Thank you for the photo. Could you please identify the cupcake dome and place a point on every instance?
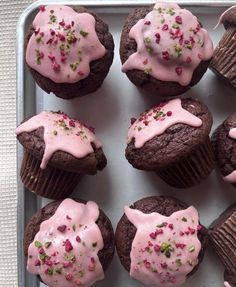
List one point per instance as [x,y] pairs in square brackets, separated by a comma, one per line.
[68,50]
[172,139]
[224,144]
[164,49]
[69,243]
[222,234]
[159,241]
[57,151]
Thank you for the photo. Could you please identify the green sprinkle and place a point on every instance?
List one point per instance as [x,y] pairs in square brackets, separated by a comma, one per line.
[83,33]
[62,47]
[74,66]
[162,21]
[171,11]
[147,40]
[154,270]
[178,50]
[55,132]
[158,114]
[163,224]
[39,39]
[47,244]
[38,244]
[53,18]
[58,270]
[50,271]
[175,26]
[94,244]
[159,10]
[166,248]
[147,71]
[191,248]
[43,256]
[184,219]
[189,46]
[139,129]
[81,274]
[149,50]
[69,257]
[178,262]
[74,227]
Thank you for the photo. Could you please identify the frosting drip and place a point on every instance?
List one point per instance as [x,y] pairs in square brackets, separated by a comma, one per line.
[157,120]
[231,178]
[170,44]
[63,44]
[64,251]
[165,249]
[61,133]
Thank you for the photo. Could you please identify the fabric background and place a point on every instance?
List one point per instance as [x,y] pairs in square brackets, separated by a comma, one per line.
[10,10]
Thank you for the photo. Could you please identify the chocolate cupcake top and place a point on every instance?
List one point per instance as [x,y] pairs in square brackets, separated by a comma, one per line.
[157,120]
[49,133]
[64,251]
[170,44]
[63,44]
[228,18]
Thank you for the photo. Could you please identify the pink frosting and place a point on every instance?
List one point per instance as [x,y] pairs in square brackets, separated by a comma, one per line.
[231,178]
[61,133]
[155,121]
[63,44]
[165,249]
[170,44]
[226,284]
[65,250]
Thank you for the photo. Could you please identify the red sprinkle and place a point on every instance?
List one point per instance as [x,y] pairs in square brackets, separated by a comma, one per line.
[42,8]
[164,265]
[49,41]
[56,67]
[169,114]
[191,230]
[157,247]
[41,34]
[68,26]
[147,23]
[188,60]
[61,228]
[61,37]
[180,245]
[166,55]
[171,226]
[48,262]
[63,53]
[147,264]
[78,239]
[77,282]
[72,123]
[165,27]
[72,23]
[159,231]
[80,73]
[37,262]
[146,123]
[69,276]
[68,217]
[153,235]
[178,71]
[62,23]
[55,42]
[41,251]
[52,32]
[133,120]
[178,20]
[181,233]
[93,260]
[67,264]
[199,227]
[51,57]
[187,232]
[158,38]
[36,32]
[68,245]
[145,61]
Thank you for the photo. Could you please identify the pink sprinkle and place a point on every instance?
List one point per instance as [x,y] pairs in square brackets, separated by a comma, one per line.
[153,235]
[68,245]
[199,227]
[72,123]
[55,42]
[51,57]
[178,71]
[158,38]
[169,114]
[37,262]
[68,217]
[36,32]
[52,32]
[200,56]
[147,264]
[165,27]
[187,232]
[66,264]
[69,276]
[63,54]
[80,73]
[180,245]
[191,230]
[163,265]
[147,23]
[166,55]
[178,20]
[41,250]
[42,8]
[78,239]
[181,233]
[159,231]
[61,228]
[56,67]
[188,60]
[48,262]
[150,243]
[157,247]
[41,34]
[49,41]
[68,26]
[145,61]
[61,37]
[91,267]
[63,59]
[62,23]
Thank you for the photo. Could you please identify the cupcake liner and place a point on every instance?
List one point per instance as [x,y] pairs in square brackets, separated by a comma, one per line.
[224,57]
[190,170]
[50,182]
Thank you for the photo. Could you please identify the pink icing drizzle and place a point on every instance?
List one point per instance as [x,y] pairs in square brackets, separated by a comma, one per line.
[226,284]
[165,249]
[64,44]
[61,133]
[155,121]
[231,178]
[64,251]
[170,44]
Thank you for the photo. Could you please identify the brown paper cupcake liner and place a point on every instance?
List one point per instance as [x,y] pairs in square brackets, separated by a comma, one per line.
[49,182]
[224,58]
[190,170]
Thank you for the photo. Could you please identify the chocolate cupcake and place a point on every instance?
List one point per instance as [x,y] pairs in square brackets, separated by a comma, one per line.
[222,234]
[69,51]
[160,241]
[172,139]
[224,146]
[224,57]
[164,49]
[69,243]
[58,150]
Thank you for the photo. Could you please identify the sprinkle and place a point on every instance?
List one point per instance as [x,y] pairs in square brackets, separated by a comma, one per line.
[191,248]
[157,247]
[178,19]
[41,251]
[178,262]
[171,226]
[56,67]
[145,61]
[48,262]
[180,245]
[47,244]
[153,235]
[61,37]
[165,27]
[72,123]
[69,276]
[67,264]
[62,23]
[188,60]
[42,8]
[158,38]
[72,23]
[164,265]
[58,270]
[49,271]
[147,23]
[49,41]
[81,73]
[83,33]
[199,227]
[37,262]
[73,66]
[61,228]
[68,217]
[94,244]
[133,120]
[78,239]
[68,245]
[52,32]
[41,34]
[38,244]
[37,31]
[166,55]
[68,26]
[178,71]
[184,219]
[191,230]
[147,264]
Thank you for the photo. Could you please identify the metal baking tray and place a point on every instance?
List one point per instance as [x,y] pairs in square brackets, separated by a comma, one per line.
[109,110]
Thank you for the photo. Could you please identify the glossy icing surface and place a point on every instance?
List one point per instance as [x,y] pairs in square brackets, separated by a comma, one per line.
[63,44]
[61,133]
[170,44]
[64,251]
[157,120]
[231,178]
[165,249]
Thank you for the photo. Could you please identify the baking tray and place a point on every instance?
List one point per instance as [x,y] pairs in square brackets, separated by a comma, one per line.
[109,110]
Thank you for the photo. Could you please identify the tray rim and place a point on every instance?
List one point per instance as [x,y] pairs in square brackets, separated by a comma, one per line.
[20,110]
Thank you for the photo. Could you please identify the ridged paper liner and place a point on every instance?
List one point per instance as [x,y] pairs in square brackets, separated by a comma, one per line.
[50,182]
[223,238]
[192,169]
[224,57]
